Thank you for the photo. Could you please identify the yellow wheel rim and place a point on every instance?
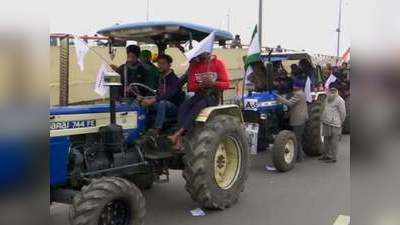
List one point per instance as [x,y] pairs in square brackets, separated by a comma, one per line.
[289,152]
[227,162]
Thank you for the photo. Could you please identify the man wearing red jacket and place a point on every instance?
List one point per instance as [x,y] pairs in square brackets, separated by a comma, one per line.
[207,77]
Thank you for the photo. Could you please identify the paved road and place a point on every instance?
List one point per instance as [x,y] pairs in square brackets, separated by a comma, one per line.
[313,193]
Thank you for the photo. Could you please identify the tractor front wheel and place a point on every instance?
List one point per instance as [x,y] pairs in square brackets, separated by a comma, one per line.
[216,163]
[108,201]
[284,151]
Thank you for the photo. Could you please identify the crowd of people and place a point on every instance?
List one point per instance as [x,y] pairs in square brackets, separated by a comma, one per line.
[336,83]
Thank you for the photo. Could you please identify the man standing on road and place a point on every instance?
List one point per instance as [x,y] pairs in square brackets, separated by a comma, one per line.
[333,117]
[298,115]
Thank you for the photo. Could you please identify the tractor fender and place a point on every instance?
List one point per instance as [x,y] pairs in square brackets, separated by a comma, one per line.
[210,112]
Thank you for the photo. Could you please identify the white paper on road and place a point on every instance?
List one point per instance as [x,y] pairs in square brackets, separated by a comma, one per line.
[270,168]
[342,220]
[197,212]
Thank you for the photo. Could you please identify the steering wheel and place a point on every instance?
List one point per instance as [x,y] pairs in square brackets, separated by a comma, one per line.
[141,91]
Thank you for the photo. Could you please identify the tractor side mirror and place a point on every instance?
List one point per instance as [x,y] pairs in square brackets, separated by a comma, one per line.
[269,73]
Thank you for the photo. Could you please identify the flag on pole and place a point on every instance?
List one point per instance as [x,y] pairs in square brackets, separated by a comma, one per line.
[253,54]
[307,90]
[206,45]
[345,57]
[81,49]
[100,88]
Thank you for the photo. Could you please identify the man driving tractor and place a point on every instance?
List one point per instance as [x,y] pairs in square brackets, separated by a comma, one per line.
[132,71]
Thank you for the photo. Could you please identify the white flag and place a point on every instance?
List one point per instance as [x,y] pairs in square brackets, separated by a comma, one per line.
[100,88]
[206,45]
[81,49]
[307,90]
[247,82]
[331,79]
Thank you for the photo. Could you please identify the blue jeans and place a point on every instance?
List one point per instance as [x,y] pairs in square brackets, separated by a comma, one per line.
[190,109]
[164,109]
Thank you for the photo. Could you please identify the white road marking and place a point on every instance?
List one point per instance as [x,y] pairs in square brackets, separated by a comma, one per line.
[342,220]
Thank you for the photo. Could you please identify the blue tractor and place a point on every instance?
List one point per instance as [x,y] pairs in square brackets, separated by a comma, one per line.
[102,155]
[267,121]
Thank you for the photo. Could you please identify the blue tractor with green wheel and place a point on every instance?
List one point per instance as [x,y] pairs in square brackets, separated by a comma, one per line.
[102,155]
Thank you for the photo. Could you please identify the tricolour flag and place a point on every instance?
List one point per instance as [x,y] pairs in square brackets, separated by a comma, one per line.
[253,54]
[81,49]
[345,57]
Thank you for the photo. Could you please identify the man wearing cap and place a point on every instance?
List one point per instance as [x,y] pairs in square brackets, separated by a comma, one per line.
[333,117]
[132,71]
[298,113]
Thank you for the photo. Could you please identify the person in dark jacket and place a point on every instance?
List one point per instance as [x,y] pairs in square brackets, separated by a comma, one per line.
[169,96]
[153,76]
[132,71]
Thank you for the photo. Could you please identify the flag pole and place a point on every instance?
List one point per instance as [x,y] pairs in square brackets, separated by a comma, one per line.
[148,10]
[339,29]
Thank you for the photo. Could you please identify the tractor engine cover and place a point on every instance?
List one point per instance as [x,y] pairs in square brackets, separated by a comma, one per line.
[112,138]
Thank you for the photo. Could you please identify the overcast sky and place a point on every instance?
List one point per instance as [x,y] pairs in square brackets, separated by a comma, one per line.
[294,24]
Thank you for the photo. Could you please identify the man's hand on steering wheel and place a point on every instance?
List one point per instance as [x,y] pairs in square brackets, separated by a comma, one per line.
[140,91]
[148,101]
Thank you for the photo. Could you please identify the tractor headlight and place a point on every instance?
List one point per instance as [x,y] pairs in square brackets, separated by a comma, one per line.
[268,103]
[263,116]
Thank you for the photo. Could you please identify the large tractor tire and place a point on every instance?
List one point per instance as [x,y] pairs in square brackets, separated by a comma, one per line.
[108,201]
[313,142]
[284,151]
[217,162]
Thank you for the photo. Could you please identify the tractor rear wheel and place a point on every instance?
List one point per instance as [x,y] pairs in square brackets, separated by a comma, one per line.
[217,162]
[313,142]
[108,201]
[284,151]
